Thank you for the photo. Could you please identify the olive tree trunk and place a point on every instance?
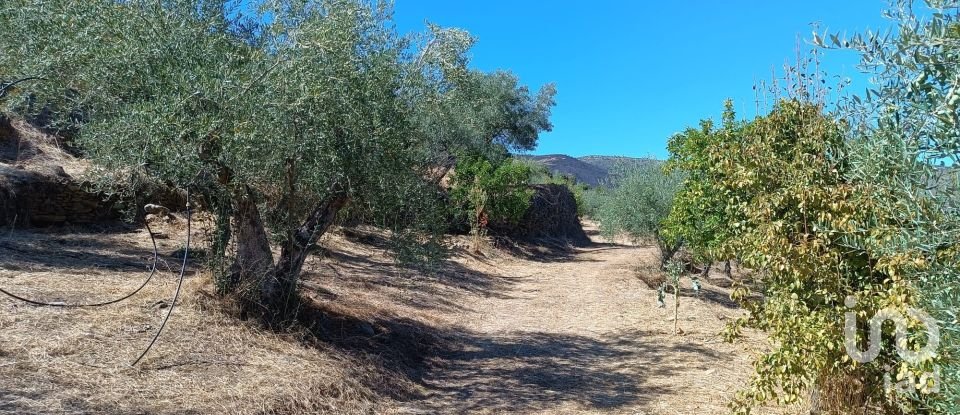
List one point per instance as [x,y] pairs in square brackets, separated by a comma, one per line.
[268,286]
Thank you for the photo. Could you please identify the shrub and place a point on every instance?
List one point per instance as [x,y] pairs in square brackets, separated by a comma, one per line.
[490,194]
[816,234]
[700,214]
[638,205]
[905,149]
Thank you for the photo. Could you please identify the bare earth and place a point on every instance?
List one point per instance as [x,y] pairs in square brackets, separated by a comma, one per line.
[582,334]
[546,332]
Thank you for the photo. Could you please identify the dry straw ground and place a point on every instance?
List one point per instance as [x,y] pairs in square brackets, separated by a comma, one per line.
[520,330]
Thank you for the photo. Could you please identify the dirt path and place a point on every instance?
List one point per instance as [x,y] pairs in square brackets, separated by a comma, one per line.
[550,333]
[582,334]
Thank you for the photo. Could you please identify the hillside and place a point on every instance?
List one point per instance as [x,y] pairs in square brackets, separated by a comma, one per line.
[584,172]
[608,162]
[590,170]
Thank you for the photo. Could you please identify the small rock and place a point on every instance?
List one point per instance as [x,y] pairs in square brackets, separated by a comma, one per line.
[367,329]
[157,210]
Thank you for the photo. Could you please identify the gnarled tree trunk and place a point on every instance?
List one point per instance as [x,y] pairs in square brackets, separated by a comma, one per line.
[253,264]
[667,250]
[277,292]
[267,286]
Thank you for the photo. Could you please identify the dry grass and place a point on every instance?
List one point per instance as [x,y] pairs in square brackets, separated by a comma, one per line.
[555,330]
[31,149]
[844,395]
[76,360]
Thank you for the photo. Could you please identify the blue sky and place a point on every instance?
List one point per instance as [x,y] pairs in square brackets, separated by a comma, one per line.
[632,73]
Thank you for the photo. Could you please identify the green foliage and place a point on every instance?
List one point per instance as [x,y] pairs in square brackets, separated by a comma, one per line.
[700,215]
[489,193]
[823,209]
[905,148]
[303,108]
[172,91]
[675,271]
[815,231]
[638,205]
[593,199]
[791,200]
[477,113]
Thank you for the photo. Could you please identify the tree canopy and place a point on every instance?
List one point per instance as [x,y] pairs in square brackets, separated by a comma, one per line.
[277,119]
[701,213]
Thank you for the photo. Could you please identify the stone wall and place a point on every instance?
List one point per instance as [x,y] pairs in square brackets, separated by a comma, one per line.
[552,214]
[36,191]
[42,198]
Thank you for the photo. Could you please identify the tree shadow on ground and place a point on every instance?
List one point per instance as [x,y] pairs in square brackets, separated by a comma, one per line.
[16,398]
[432,289]
[93,247]
[550,250]
[529,372]
[15,401]
[712,295]
[399,346]
[707,293]
[461,371]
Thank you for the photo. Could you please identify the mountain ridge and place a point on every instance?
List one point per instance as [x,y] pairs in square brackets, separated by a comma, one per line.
[592,170]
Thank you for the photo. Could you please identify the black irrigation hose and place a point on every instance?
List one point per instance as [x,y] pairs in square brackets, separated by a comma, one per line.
[7,87]
[153,272]
[176,295]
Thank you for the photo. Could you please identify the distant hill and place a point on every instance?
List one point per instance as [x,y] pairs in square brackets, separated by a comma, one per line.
[608,162]
[584,172]
[590,170]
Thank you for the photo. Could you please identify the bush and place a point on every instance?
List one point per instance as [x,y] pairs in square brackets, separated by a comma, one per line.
[489,194]
[905,149]
[638,204]
[819,232]
[700,215]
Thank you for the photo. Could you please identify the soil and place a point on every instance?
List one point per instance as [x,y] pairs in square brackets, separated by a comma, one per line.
[581,333]
[561,330]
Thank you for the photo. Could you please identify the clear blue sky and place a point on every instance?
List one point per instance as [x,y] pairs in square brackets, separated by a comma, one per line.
[632,73]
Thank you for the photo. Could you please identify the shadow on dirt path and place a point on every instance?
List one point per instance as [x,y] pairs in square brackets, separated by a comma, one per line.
[580,333]
[533,372]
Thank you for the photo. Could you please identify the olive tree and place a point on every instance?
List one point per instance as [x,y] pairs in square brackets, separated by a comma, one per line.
[486,115]
[277,121]
[638,205]
[905,145]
